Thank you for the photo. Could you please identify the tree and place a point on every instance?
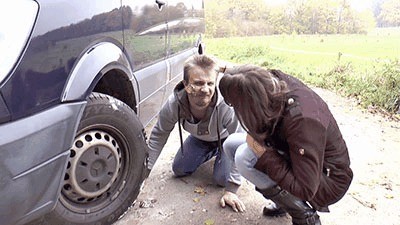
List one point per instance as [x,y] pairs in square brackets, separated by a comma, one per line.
[255,17]
[389,14]
[236,18]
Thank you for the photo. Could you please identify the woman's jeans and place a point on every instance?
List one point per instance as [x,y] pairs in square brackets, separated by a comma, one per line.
[242,160]
[196,152]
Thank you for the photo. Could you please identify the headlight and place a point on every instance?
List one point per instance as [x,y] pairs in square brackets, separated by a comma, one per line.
[16,22]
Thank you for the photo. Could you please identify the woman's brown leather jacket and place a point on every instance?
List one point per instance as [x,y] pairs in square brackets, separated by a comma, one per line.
[310,158]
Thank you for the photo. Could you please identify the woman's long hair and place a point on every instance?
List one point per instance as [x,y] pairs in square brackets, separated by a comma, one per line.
[257,96]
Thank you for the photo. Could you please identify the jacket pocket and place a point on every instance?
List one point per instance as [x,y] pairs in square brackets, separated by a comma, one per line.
[334,185]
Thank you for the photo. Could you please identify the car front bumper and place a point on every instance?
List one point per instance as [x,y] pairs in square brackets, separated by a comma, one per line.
[34,152]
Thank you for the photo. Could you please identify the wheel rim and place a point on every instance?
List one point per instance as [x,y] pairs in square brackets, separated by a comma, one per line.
[93,168]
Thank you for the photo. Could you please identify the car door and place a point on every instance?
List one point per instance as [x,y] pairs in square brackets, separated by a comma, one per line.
[185,27]
[145,31]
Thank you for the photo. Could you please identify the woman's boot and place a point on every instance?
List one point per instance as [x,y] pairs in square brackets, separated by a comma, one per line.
[299,210]
[273,210]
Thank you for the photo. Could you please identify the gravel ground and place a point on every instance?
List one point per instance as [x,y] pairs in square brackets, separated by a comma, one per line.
[373,197]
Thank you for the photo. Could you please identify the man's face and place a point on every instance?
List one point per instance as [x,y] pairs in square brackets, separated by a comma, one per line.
[201,88]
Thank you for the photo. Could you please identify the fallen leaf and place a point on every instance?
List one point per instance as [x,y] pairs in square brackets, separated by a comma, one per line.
[209,222]
[200,190]
[389,196]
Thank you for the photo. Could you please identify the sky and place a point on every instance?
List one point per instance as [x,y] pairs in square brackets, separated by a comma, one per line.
[361,5]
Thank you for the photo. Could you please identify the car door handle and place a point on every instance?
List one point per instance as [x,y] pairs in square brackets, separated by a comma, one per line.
[160,4]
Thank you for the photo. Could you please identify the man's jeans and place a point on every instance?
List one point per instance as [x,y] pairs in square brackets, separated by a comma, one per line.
[196,152]
[242,160]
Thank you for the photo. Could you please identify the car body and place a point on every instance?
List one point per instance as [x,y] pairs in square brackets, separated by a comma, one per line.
[79,81]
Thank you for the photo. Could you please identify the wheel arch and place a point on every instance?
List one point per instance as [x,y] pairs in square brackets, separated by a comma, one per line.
[103,68]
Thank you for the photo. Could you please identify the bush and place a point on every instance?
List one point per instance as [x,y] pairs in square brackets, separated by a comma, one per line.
[379,88]
[384,90]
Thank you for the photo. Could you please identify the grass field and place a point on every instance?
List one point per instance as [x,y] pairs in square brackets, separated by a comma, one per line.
[355,65]
[314,51]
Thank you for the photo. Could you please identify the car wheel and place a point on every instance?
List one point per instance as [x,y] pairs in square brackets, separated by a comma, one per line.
[106,165]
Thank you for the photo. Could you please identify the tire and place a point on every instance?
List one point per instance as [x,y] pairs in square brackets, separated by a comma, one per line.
[106,166]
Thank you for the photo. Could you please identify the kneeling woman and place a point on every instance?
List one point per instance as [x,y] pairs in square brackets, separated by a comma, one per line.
[295,153]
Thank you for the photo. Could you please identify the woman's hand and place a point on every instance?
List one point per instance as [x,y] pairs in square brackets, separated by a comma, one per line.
[232,200]
[256,147]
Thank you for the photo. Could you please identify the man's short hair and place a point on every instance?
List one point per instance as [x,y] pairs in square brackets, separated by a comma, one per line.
[204,62]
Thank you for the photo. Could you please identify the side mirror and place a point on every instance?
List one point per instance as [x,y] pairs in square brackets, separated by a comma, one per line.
[160,4]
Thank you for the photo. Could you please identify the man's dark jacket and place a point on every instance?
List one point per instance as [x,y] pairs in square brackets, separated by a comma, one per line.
[312,162]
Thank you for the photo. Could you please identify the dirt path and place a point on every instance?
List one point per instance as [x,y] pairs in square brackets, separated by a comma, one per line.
[373,197]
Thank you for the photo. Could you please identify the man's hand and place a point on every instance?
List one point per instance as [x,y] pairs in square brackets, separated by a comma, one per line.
[232,200]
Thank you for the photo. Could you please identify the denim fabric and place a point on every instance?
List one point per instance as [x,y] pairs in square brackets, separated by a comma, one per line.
[196,152]
[243,159]
[230,146]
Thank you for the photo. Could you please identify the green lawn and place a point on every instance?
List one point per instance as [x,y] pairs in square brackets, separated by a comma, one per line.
[308,50]
[355,65]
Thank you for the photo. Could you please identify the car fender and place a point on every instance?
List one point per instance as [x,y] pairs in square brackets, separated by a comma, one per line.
[91,66]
